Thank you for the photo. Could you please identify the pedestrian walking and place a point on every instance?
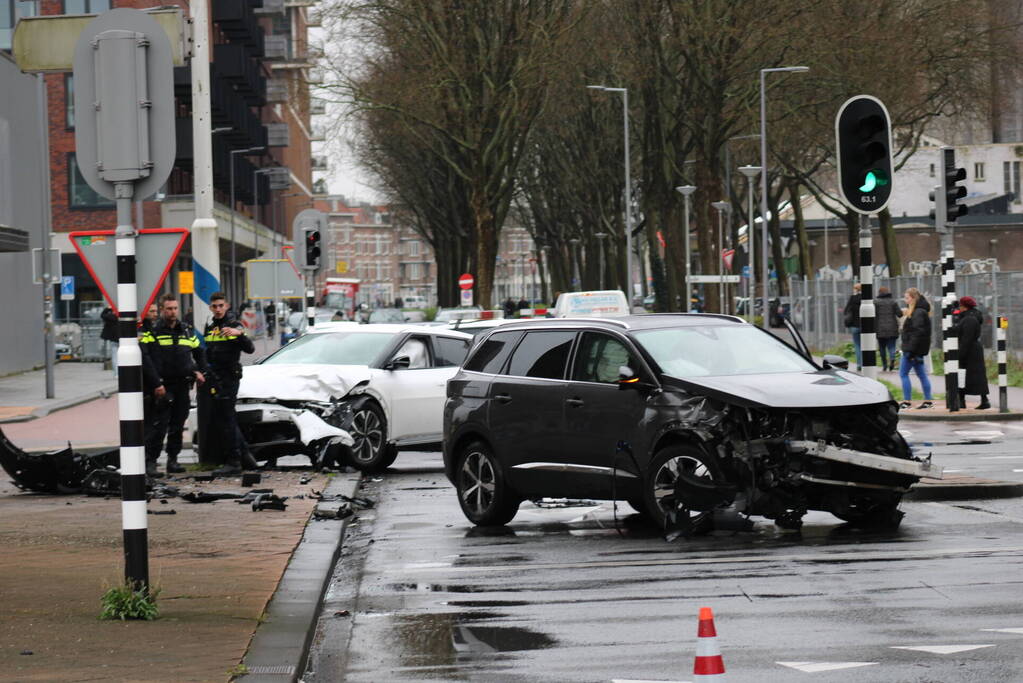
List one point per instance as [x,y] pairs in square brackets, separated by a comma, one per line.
[172,360]
[916,344]
[110,337]
[225,342]
[967,327]
[851,319]
[887,313]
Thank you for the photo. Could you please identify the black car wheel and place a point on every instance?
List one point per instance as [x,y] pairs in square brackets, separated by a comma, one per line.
[482,491]
[665,469]
[370,452]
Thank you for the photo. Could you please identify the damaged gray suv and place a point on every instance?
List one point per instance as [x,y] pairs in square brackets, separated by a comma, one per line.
[680,415]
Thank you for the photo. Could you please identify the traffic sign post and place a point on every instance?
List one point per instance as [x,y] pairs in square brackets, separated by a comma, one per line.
[67,288]
[125,144]
[466,281]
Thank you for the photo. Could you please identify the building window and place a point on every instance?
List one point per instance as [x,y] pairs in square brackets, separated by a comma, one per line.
[413,248]
[932,170]
[86,6]
[80,195]
[978,170]
[413,271]
[69,101]
[10,12]
[1010,175]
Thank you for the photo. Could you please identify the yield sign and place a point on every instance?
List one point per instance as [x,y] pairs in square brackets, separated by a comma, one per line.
[155,251]
[727,255]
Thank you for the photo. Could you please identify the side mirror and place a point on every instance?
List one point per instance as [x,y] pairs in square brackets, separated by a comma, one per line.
[399,363]
[628,379]
[833,361]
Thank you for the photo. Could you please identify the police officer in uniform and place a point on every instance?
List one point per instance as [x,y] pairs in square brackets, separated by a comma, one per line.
[171,361]
[225,342]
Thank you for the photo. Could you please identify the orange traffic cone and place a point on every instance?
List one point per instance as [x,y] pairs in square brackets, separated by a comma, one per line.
[708,665]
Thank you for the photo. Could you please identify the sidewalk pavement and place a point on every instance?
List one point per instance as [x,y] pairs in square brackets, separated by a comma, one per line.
[23,395]
[939,413]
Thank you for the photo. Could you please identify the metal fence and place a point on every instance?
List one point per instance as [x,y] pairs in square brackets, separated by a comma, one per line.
[82,335]
[816,305]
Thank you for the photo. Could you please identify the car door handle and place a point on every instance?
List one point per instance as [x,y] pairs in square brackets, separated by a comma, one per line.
[503,398]
[574,402]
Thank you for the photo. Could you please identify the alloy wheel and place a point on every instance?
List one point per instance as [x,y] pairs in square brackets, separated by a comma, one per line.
[668,473]
[368,434]
[478,482]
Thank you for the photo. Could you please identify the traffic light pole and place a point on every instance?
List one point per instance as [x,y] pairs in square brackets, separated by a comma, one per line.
[868,327]
[310,301]
[949,342]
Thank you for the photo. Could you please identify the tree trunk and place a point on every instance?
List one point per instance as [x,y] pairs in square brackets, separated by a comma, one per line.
[707,233]
[805,262]
[777,255]
[891,244]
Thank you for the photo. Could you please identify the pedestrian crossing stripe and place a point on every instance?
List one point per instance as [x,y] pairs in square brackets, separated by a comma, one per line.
[1018,631]
[942,649]
[815,667]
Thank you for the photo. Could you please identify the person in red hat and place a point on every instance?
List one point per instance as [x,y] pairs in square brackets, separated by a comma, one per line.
[967,328]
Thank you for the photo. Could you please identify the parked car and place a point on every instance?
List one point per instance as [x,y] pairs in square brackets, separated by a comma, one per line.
[414,301]
[678,414]
[478,327]
[351,392]
[446,315]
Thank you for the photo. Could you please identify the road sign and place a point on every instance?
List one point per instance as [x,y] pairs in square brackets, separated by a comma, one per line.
[155,251]
[67,288]
[466,281]
[467,297]
[46,266]
[727,256]
[124,103]
[745,271]
[342,266]
[259,279]
[186,282]
[712,279]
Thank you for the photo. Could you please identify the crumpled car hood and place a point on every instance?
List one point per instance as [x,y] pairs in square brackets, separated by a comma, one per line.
[821,389]
[286,382]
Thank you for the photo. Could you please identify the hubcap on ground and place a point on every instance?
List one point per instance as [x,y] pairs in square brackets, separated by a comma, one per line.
[668,474]
[368,435]
[477,482]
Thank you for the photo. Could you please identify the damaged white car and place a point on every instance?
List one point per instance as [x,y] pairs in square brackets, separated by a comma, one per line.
[350,394]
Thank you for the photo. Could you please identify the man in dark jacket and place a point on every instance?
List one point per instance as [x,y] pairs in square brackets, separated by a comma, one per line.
[887,314]
[967,327]
[916,344]
[225,342]
[171,361]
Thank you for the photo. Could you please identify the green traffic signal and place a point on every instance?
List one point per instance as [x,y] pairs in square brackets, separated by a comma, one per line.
[872,180]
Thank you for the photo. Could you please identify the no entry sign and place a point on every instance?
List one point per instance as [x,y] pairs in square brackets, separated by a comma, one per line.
[466,281]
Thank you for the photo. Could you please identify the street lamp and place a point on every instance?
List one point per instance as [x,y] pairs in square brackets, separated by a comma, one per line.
[723,208]
[628,187]
[234,263]
[751,283]
[600,236]
[763,179]
[686,191]
[574,242]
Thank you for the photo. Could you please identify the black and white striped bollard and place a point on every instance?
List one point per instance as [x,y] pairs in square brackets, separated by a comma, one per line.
[1003,371]
[129,403]
[868,325]
[310,307]
[949,342]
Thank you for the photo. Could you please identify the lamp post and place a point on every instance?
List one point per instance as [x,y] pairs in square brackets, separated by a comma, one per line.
[723,208]
[763,178]
[574,247]
[600,236]
[686,191]
[628,188]
[751,282]
[234,263]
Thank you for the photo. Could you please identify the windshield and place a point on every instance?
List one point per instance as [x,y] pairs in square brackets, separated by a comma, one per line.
[333,348]
[707,351]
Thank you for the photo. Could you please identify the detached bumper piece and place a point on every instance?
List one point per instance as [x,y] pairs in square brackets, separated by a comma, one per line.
[63,471]
[884,463]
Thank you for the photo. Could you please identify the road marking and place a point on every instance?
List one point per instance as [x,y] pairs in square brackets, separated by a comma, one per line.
[953,471]
[1002,457]
[851,556]
[1014,470]
[942,649]
[1016,427]
[815,667]
[643,680]
[978,433]
[1018,631]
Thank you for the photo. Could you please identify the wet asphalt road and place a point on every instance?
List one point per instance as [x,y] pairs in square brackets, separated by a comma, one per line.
[561,595]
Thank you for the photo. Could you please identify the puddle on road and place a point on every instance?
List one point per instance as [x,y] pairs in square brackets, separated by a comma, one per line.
[445,639]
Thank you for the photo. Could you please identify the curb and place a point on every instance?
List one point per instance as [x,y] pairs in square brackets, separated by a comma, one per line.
[43,411]
[280,646]
[990,489]
[959,417]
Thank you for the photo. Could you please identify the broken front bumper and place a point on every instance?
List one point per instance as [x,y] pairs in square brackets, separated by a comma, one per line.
[883,463]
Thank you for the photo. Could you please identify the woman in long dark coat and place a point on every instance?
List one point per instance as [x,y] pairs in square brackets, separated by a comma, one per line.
[967,328]
[916,344]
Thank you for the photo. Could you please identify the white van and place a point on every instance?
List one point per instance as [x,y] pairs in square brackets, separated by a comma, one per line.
[608,303]
[414,301]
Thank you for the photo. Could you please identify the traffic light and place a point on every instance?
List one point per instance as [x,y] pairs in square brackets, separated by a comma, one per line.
[951,189]
[864,147]
[311,235]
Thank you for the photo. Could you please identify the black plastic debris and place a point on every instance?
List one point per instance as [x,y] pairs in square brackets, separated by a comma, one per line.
[303,480]
[364,503]
[60,471]
[26,652]
[343,511]
[251,478]
[268,501]
[172,511]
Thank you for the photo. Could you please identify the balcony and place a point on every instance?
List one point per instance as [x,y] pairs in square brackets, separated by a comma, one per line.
[276,47]
[317,134]
[278,135]
[270,7]
[319,163]
[299,3]
[236,19]
[236,64]
[280,178]
[317,106]
[276,90]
